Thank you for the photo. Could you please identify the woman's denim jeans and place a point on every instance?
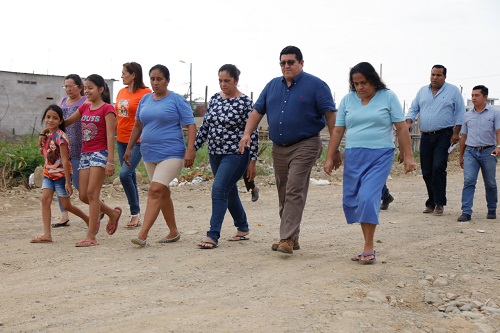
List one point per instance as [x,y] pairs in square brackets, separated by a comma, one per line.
[227,170]
[127,175]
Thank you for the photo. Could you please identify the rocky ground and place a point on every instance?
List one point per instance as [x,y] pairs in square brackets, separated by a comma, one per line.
[432,273]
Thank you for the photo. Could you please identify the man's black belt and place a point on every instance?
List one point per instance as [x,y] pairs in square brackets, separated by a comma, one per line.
[438,131]
[481,147]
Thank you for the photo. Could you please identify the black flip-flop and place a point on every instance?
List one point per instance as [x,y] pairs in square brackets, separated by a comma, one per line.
[207,245]
[237,238]
[63,224]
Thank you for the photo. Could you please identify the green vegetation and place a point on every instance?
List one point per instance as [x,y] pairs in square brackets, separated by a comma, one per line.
[18,159]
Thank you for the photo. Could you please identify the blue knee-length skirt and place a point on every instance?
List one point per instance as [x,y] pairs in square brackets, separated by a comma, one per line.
[365,173]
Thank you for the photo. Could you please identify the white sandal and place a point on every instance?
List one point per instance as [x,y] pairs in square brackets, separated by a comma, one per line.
[138,224]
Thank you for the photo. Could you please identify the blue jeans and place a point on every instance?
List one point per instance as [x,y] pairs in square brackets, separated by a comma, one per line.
[58,186]
[74,180]
[474,160]
[127,175]
[434,161]
[227,170]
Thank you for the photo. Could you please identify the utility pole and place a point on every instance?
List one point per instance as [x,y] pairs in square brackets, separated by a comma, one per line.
[191,85]
[190,82]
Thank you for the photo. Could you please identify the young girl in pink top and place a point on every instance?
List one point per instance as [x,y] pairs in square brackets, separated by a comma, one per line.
[98,120]
[56,171]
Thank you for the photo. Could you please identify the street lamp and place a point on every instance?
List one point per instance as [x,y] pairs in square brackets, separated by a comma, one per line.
[190,83]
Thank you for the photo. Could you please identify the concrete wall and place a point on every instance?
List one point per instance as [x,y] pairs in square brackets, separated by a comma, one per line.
[24,97]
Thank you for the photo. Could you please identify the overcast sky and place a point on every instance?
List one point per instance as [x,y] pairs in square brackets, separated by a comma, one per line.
[406,37]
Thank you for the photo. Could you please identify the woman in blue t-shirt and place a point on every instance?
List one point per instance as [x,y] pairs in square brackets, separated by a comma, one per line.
[366,114]
[159,120]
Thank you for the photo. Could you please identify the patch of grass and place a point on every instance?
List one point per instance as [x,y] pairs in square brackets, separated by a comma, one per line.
[19,159]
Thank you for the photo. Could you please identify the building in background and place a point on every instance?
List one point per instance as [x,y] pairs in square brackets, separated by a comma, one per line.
[24,96]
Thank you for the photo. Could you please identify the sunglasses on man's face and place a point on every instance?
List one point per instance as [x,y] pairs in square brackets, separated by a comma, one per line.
[287,62]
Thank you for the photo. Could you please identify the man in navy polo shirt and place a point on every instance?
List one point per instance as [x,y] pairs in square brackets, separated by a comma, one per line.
[296,105]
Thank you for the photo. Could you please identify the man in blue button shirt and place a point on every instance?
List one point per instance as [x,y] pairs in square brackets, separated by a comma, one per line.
[478,151]
[441,108]
[296,105]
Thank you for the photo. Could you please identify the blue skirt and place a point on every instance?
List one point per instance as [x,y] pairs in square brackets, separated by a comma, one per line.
[365,173]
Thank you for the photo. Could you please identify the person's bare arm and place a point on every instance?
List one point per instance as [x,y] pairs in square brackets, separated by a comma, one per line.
[463,138]
[73,118]
[333,160]
[405,146]
[252,123]
[456,134]
[134,136]
[110,137]
[65,162]
[190,154]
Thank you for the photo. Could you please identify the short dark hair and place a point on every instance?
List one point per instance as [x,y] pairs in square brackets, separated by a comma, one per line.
[162,69]
[440,66]
[135,68]
[232,70]
[483,89]
[57,109]
[369,73]
[77,79]
[292,50]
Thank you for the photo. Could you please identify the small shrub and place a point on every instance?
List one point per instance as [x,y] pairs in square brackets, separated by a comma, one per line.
[19,159]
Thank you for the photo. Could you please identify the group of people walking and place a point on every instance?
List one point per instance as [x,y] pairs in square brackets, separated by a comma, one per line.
[298,106]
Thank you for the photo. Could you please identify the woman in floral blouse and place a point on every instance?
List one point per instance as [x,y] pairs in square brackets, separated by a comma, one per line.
[222,128]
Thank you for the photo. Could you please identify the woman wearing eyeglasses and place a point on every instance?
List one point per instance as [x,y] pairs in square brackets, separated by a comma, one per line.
[73,85]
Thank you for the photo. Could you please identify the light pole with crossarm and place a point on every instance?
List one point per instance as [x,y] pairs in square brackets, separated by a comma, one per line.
[190,83]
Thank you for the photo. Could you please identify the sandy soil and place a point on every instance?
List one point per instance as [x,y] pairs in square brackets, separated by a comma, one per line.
[433,274]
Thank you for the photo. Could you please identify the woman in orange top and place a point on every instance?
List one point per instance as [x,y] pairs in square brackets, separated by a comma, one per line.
[127,100]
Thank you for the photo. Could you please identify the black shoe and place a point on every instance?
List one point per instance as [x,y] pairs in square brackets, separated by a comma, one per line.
[492,215]
[255,194]
[464,217]
[386,201]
